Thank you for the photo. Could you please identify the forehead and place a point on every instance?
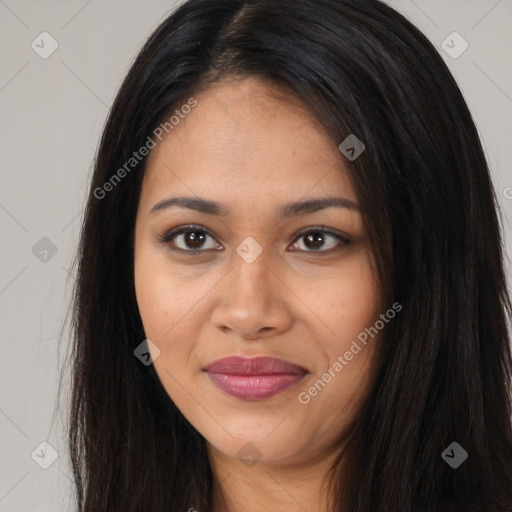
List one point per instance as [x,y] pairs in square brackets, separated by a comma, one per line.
[246,140]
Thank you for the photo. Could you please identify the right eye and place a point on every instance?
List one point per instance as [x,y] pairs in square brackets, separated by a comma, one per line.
[190,238]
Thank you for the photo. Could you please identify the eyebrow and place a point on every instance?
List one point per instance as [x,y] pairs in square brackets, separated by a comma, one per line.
[286,210]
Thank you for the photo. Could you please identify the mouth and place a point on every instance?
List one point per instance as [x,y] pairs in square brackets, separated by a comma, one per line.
[254,378]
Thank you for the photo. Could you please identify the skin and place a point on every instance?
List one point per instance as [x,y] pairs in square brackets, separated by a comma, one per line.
[251,146]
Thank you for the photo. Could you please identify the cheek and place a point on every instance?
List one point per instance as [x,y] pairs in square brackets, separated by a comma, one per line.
[171,306]
[346,301]
[162,325]
[164,295]
[156,293]
[153,291]
[349,306]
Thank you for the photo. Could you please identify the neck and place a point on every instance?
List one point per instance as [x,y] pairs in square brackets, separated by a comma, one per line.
[281,488]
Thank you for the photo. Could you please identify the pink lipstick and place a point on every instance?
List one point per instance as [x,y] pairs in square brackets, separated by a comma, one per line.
[254,378]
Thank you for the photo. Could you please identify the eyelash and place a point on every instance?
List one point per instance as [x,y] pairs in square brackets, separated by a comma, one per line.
[168,236]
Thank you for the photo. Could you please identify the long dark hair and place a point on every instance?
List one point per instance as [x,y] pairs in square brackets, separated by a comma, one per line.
[444,367]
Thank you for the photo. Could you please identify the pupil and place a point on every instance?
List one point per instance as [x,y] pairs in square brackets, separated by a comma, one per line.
[317,240]
[194,239]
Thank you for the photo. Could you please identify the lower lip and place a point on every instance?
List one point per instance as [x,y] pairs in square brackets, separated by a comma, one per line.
[254,387]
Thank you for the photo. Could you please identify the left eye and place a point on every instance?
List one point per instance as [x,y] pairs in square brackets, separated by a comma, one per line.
[191,238]
[194,239]
[319,240]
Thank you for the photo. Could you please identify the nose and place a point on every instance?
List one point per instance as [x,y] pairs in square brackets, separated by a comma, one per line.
[252,301]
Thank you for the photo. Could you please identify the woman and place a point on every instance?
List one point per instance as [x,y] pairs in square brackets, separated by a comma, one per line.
[290,289]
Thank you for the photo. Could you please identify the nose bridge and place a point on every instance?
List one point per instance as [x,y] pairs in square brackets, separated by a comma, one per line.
[251,273]
[251,304]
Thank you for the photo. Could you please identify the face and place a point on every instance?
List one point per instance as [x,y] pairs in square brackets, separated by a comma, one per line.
[234,271]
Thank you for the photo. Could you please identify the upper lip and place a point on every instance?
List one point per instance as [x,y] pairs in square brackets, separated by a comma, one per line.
[235,365]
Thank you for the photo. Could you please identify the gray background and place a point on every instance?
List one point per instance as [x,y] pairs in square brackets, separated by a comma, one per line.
[52,113]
